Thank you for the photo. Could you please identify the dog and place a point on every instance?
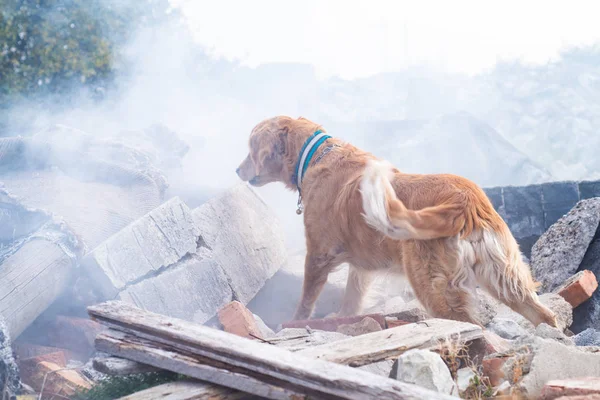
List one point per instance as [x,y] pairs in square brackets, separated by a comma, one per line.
[439,230]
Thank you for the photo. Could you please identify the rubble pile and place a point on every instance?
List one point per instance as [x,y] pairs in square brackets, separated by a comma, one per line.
[103,275]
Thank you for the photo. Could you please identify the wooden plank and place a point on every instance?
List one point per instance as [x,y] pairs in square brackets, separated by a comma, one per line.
[227,354]
[30,280]
[120,366]
[188,390]
[391,343]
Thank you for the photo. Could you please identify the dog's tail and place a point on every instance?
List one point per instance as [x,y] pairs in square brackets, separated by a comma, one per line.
[387,214]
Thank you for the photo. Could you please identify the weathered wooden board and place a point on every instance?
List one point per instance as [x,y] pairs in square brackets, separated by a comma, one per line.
[223,354]
[30,280]
[391,343]
[188,390]
[120,366]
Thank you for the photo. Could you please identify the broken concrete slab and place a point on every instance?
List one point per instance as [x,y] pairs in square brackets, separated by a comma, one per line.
[552,359]
[142,249]
[193,290]
[559,251]
[506,328]
[245,238]
[426,369]
[546,331]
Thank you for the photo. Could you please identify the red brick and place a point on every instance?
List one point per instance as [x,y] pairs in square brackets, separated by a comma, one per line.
[29,367]
[60,382]
[237,319]
[493,368]
[579,288]
[331,324]
[571,387]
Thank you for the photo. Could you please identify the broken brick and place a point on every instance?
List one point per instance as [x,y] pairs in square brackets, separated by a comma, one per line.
[237,319]
[28,367]
[59,381]
[332,324]
[26,350]
[578,288]
[493,368]
[571,387]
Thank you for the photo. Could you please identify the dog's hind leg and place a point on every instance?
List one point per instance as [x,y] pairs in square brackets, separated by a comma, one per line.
[359,281]
[503,273]
[440,274]
[316,270]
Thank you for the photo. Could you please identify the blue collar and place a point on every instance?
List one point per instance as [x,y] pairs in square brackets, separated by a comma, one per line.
[306,154]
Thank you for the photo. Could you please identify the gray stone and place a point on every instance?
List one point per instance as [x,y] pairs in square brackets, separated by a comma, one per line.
[381,368]
[589,337]
[562,309]
[546,331]
[410,312]
[553,360]
[245,238]
[426,369]
[559,251]
[264,329]
[507,328]
[193,290]
[155,241]
[463,378]
[366,325]
[9,371]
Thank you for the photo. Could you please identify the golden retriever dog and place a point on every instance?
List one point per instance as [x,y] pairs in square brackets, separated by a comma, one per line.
[439,230]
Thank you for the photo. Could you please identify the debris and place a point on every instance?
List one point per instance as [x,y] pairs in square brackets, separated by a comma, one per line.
[74,334]
[332,324]
[463,379]
[410,312]
[579,288]
[295,339]
[381,368]
[392,322]
[264,329]
[120,366]
[546,331]
[153,242]
[426,369]
[366,325]
[589,337]
[493,368]
[506,328]
[237,319]
[388,343]
[225,359]
[552,359]
[559,251]
[571,387]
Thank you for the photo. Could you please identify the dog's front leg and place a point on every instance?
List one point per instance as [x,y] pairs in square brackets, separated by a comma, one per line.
[359,281]
[316,270]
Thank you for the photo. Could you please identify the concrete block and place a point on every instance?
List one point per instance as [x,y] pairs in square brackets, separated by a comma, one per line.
[589,189]
[523,210]
[193,290]
[245,238]
[145,247]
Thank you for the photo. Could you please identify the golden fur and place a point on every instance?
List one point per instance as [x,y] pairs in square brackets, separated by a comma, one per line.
[440,231]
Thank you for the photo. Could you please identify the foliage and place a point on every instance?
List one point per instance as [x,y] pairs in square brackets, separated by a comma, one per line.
[114,387]
[51,46]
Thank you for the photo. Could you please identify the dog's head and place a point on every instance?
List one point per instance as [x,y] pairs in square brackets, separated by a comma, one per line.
[273,150]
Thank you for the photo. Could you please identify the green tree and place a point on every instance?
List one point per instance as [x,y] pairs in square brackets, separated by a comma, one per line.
[52,46]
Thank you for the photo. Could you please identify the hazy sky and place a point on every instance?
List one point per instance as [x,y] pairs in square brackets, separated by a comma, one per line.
[352,38]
